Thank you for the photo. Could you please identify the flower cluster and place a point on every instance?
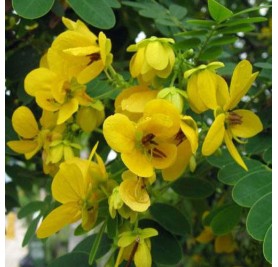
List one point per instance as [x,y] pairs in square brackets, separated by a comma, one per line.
[151,128]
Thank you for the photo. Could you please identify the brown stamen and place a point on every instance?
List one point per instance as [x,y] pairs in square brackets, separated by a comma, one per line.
[180,137]
[93,57]
[148,139]
[234,118]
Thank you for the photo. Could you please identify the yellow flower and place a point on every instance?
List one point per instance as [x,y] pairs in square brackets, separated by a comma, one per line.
[75,186]
[222,243]
[232,124]
[136,245]
[31,138]
[116,204]
[202,86]
[89,118]
[131,101]
[54,93]
[80,52]
[154,57]
[186,141]
[133,191]
[145,145]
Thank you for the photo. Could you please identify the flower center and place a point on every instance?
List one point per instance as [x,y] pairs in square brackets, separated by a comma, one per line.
[234,118]
[151,146]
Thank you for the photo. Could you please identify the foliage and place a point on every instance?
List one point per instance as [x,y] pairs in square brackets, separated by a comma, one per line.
[188,117]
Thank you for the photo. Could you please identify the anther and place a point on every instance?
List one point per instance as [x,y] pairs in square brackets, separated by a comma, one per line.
[234,118]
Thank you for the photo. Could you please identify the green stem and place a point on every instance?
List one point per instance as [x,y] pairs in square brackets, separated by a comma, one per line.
[203,46]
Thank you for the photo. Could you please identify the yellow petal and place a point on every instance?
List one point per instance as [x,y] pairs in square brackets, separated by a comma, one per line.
[242,80]
[224,244]
[40,79]
[156,55]
[89,218]
[81,51]
[138,163]
[178,167]
[56,153]
[46,101]
[233,151]
[68,184]
[136,62]
[67,110]
[205,236]
[24,122]
[190,130]
[148,232]
[163,155]
[142,257]
[90,72]
[134,196]
[58,218]
[207,86]
[250,126]
[222,92]
[215,135]
[23,146]
[160,118]
[195,101]
[119,133]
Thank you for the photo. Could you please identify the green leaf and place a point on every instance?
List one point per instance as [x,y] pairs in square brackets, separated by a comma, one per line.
[259,217]
[191,33]
[193,187]
[72,259]
[201,23]
[177,11]
[166,250]
[170,218]
[113,3]
[248,10]
[258,144]
[218,12]
[86,244]
[233,22]
[223,40]
[153,11]
[187,44]
[267,246]
[252,187]
[226,219]
[31,231]
[30,208]
[134,4]
[165,21]
[232,172]
[211,53]
[220,158]
[112,226]
[267,155]
[97,13]
[236,29]
[32,9]
[96,244]
[263,65]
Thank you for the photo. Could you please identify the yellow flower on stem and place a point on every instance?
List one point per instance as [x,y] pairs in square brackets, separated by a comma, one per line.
[79,52]
[202,86]
[133,191]
[26,126]
[53,92]
[75,186]
[154,57]
[136,246]
[145,145]
[232,123]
